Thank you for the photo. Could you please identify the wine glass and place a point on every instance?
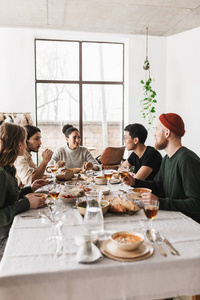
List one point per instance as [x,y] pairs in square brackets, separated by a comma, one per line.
[54,191]
[54,170]
[150,208]
[108,174]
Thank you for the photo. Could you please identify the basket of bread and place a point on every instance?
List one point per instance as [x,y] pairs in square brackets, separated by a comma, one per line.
[119,205]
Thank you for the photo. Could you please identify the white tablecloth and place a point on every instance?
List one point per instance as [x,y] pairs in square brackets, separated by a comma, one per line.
[30,270]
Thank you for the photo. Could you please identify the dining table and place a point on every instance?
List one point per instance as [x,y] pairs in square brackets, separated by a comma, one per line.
[32,269]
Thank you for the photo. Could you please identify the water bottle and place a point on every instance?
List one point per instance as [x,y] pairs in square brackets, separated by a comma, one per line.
[93,219]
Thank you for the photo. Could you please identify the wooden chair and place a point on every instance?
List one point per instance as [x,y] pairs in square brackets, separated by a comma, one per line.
[111,157]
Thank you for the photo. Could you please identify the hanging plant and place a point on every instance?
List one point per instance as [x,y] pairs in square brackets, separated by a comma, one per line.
[148,102]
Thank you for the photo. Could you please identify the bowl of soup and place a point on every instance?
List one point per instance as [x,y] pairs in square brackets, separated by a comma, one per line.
[100,180]
[137,192]
[127,240]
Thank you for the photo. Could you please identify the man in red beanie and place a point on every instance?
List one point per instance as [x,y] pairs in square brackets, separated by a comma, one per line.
[177,184]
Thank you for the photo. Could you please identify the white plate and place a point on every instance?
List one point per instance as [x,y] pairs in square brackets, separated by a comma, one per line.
[105,190]
[111,248]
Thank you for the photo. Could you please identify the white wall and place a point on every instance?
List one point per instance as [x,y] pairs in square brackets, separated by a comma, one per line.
[183,83]
[17,84]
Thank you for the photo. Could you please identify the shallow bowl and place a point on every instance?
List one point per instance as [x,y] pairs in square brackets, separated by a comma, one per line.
[137,192]
[81,206]
[136,237]
[100,180]
[66,198]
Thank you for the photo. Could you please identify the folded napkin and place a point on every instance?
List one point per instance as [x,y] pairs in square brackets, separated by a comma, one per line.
[87,251]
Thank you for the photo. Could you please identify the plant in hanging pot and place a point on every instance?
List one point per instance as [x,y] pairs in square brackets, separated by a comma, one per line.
[148,109]
[147,104]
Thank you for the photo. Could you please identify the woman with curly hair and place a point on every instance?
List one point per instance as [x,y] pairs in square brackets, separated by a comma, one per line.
[72,155]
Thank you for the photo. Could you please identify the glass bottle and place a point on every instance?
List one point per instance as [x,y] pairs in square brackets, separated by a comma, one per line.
[93,219]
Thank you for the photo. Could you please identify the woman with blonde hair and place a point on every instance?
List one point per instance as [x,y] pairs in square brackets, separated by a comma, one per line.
[12,199]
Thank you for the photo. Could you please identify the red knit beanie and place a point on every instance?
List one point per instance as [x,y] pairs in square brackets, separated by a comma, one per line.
[173,122]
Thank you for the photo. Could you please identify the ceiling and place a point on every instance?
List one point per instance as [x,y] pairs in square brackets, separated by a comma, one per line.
[162,17]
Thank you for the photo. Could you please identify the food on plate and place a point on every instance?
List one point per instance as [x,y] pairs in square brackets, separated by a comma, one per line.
[85,188]
[77,192]
[65,175]
[141,190]
[129,205]
[67,196]
[75,170]
[127,238]
[119,205]
[116,207]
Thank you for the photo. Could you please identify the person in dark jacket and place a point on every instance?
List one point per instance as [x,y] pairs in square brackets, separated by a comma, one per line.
[12,199]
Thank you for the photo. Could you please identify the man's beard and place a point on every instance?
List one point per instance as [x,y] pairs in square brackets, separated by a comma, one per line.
[162,144]
[31,149]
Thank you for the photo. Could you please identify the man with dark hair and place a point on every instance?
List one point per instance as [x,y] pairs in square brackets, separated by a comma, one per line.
[27,170]
[145,159]
[177,184]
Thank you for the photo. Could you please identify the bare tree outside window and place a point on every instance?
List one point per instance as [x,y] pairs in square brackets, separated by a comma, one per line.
[80,83]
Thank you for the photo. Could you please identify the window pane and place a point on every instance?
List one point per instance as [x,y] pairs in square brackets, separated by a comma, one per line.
[57,105]
[102,116]
[102,62]
[57,60]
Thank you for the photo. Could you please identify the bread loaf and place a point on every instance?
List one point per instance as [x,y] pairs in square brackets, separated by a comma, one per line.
[118,204]
[66,175]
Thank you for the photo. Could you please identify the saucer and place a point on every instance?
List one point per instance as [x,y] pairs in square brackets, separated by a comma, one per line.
[114,250]
[125,258]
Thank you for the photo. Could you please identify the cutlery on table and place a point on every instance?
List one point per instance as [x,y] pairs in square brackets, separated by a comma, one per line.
[169,245]
[160,239]
[29,217]
[152,237]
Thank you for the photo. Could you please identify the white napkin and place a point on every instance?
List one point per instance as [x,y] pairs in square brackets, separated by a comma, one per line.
[87,251]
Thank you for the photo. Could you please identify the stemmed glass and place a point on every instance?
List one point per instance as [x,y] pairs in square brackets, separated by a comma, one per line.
[150,208]
[108,174]
[54,191]
[54,170]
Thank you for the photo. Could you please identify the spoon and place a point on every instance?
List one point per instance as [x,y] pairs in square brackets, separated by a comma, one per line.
[78,177]
[152,237]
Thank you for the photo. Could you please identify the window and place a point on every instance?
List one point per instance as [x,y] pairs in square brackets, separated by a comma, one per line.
[80,83]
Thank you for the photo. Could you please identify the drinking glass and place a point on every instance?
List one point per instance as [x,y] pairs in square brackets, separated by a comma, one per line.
[54,170]
[54,191]
[108,174]
[150,208]
[93,219]
[123,172]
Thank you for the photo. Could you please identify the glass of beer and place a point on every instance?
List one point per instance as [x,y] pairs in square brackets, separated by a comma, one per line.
[108,174]
[54,191]
[54,170]
[123,172]
[150,208]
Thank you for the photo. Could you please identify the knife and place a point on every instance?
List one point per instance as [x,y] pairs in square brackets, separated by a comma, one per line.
[169,245]
[159,238]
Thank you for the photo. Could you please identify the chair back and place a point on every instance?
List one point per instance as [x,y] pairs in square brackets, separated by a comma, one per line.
[112,156]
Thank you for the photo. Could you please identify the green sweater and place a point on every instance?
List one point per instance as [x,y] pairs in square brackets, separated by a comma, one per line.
[177,184]
[12,200]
